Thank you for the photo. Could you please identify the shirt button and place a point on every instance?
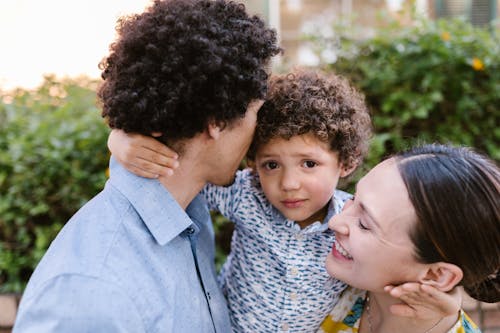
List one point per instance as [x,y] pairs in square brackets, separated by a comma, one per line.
[294,271]
[190,230]
[298,236]
[285,327]
[293,296]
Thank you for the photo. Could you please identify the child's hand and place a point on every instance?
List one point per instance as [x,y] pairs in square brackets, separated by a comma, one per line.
[424,301]
[142,155]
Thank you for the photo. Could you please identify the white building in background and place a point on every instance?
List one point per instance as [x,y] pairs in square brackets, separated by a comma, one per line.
[295,18]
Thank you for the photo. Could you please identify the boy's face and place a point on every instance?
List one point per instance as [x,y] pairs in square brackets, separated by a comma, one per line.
[299,176]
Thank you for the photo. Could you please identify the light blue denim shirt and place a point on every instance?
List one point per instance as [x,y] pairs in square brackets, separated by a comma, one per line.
[130,260]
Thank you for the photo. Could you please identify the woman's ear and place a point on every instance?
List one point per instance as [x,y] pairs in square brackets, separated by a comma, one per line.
[441,275]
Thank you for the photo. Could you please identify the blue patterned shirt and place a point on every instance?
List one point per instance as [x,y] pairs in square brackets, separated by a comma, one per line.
[274,278]
[130,260]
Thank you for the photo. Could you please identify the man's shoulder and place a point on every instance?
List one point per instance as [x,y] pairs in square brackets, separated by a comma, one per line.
[66,299]
[83,245]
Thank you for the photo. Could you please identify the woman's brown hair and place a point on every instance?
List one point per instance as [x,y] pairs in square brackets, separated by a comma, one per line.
[456,195]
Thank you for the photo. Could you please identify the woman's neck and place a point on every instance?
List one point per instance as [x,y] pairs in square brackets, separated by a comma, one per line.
[377,318]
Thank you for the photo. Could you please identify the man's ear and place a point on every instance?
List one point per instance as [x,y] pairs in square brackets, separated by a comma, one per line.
[251,164]
[441,275]
[213,130]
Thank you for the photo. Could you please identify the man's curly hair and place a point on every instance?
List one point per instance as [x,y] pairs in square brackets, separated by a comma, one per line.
[182,64]
[311,102]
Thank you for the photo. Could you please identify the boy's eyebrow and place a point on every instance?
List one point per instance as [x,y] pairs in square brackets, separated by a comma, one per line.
[266,155]
[308,155]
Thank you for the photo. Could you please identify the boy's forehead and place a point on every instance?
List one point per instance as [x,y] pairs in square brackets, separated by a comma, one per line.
[304,144]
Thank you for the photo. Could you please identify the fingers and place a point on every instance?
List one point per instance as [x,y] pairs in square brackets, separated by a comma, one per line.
[142,155]
[412,294]
[152,162]
[424,301]
[402,310]
[141,172]
[152,156]
[448,303]
[164,169]
[156,146]
[403,289]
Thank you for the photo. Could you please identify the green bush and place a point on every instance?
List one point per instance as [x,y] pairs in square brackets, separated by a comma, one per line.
[53,158]
[433,81]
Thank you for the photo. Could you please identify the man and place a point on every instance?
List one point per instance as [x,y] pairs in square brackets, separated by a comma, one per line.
[139,257]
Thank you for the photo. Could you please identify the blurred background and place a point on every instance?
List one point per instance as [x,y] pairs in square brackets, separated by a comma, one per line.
[429,70]
[69,38]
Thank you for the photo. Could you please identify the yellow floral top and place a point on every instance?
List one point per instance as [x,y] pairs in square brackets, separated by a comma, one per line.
[346,315]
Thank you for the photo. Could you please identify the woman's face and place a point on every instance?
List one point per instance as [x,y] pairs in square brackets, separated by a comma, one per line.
[373,247]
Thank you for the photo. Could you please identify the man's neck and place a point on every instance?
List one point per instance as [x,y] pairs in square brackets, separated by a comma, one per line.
[188,179]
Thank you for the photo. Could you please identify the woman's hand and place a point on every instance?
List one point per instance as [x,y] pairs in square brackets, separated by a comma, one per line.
[424,302]
[142,155]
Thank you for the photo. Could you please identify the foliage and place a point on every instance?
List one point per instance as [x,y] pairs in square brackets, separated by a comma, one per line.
[53,158]
[432,81]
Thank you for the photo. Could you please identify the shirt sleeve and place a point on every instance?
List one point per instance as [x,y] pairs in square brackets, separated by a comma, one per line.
[226,199]
[77,304]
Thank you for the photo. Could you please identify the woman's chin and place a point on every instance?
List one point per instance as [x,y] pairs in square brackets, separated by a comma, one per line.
[333,268]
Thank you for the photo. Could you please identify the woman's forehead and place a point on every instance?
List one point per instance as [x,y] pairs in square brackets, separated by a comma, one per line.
[383,192]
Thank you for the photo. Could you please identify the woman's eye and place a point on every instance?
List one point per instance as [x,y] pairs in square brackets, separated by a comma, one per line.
[362,226]
[310,164]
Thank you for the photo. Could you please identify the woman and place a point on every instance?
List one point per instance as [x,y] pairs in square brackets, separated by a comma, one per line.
[429,215]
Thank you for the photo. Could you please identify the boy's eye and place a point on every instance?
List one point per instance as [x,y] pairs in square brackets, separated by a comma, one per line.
[309,164]
[270,165]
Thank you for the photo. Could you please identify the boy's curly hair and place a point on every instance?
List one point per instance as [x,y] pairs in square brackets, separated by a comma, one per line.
[325,105]
[183,63]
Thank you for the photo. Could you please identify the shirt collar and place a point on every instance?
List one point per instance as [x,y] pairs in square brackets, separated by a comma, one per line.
[162,215]
[334,207]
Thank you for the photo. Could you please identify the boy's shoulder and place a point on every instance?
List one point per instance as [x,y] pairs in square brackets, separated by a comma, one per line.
[342,196]
[249,179]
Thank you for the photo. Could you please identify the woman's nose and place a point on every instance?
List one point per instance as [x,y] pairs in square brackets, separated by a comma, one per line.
[338,224]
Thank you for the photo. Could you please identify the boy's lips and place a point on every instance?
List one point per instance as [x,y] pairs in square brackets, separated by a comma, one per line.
[292,203]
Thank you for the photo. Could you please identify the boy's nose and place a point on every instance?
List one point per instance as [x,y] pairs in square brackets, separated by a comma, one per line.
[289,181]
